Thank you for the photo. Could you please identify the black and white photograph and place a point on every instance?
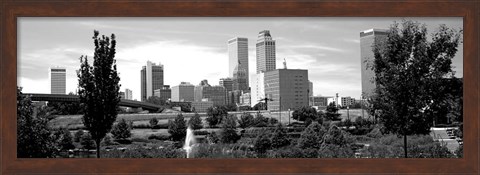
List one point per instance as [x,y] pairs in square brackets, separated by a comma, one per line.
[240,87]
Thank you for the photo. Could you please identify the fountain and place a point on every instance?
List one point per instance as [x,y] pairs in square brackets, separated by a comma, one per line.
[189,142]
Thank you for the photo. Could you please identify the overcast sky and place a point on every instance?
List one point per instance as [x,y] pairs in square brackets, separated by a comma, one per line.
[193,49]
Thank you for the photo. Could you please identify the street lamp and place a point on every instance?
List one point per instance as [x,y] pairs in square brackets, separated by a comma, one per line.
[348,113]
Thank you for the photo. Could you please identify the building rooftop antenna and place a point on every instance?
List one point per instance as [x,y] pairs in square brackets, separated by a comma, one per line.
[284,63]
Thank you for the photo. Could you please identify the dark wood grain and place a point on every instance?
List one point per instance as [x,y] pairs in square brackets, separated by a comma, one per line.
[11,10]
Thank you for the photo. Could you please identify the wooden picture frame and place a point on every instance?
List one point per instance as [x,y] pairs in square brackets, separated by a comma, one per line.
[11,10]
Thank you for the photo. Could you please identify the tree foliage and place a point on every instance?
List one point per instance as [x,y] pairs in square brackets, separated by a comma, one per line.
[215,115]
[228,134]
[98,88]
[279,137]
[260,106]
[260,120]
[312,136]
[177,128]
[332,112]
[65,139]
[121,130]
[195,122]
[305,113]
[153,122]
[87,142]
[34,138]
[409,69]
[246,120]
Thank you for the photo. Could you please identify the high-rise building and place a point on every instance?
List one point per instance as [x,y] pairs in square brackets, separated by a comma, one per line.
[227,83]
[238,59]
[184,92]
[368,39]
[240,79]
[265,52]
[58,79]
[217,94]
[245,99]
[128,94]
[164,93]
[233,97]
[310,89]
[258,88]
[347,101]
[288,88]
[151,78]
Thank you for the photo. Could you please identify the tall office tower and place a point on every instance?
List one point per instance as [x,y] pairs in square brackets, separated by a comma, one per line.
[184,92]
[151,78]
[258,88]
[288,89]
[227,83]
[238,57]
[128,94]
[310,89]
[164,93]
[240,78]
[368,39]
[265,52]
[58,79]
[210,93]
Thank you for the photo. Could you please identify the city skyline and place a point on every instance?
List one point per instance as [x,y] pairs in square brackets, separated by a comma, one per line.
[329,48]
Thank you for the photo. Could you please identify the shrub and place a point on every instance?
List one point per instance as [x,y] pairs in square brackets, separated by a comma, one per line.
[215,115]
[260,120]
[195,122]
[161,126]
[228,133]
[158,137]
[121,130]
[65,141]
[375,133]
[459,151]
[279,137]
[332,114]
[198,132]
[107,140]
[153,122]
[305,113]
[335,151]
[335,136]
[272,121]
[212,138]
[312,136]
[262,143]
[177,128]
[78,135]
[87,142]
[246,120]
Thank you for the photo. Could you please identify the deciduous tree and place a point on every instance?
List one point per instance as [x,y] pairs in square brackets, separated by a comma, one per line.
[98,88]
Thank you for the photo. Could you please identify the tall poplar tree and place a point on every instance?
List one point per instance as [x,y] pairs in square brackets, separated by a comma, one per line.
[408,70]
[98,88]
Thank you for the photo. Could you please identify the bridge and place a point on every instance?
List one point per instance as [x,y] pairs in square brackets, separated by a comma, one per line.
[74,98]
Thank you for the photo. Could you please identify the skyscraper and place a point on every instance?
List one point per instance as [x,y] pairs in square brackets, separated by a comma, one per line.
[258,88]
[128,94]
[368,39]
[58,78]
[288,88]
[238,58]
[265,52]
[227,83]
[151,79]
[184,92]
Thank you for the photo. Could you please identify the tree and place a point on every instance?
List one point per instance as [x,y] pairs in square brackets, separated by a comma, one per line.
[260,120]
[78,135]
[408,70]
[87,142]
[246,120]
[98,88]
[121,130]
[262,143]
[260,106]
[34,136]
[332,112]
[153,122]
[65,142]
[305,113]
[228,134]
[215,115]
[195,122]
[177,128]
[312,136]
[279,137]
[156,100]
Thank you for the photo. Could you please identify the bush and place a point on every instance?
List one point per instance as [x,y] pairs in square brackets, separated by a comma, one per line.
[260,120]
[262,143]
[228,133]
[305,113]
[195,122]
[121,130]
[335,136]
[65,142]
[279,137]
[78,135]
[212,138]
[161,126]
[332,114]
[177,128]
[198,132]
[137,139]
[459,151]
[375,133]
[107,140]
[158,137]
[312,136]
[215,115]
[272,121]
[87,142]
[246,120]
[153,122]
